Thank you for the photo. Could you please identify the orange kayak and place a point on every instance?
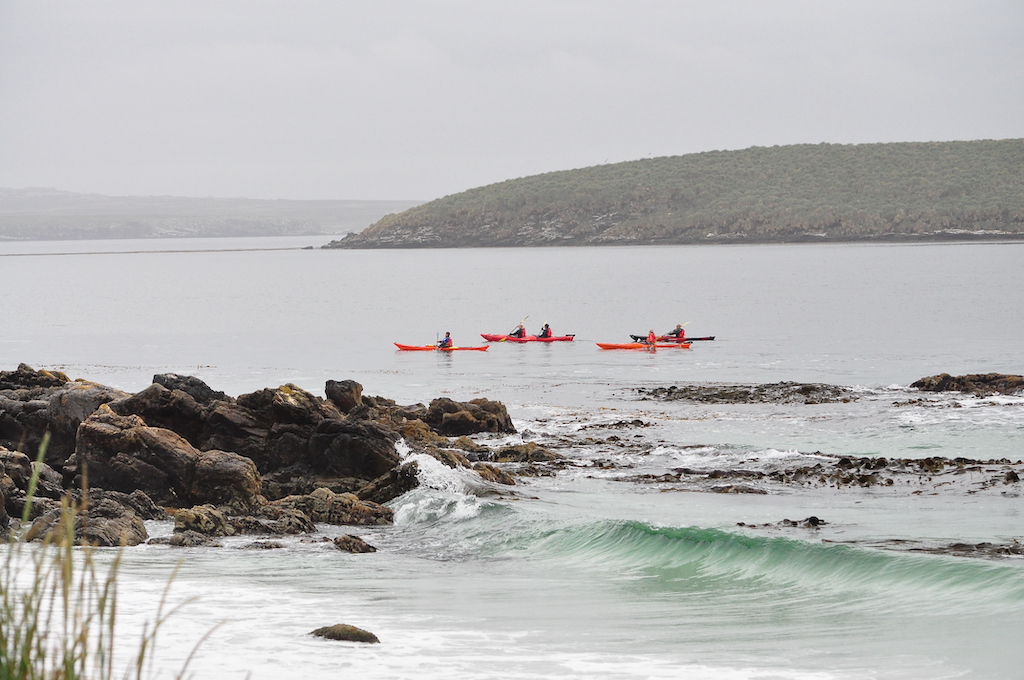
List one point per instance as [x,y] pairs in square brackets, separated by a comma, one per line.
[427,348]
[641,345]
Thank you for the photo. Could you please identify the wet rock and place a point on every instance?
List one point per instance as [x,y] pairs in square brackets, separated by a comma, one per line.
[980,384]
[274,520]
[780,393]
[343,631]
[360,449]
[392,484]
[263,545]
[187,539]
[493,473]
[811,522]
[202,519]
[323,505]
[466,444]
[737,488]
[353,544]
[103,523]
[525,453]
[455,418]
[418,432]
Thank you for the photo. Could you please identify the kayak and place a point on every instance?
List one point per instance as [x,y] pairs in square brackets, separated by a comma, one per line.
[670,338]
[427,348]
[642,345]
[494,337]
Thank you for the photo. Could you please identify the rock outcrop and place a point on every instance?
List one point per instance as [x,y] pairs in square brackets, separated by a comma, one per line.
[980,384]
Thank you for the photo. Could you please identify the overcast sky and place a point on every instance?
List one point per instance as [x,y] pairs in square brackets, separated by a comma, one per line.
[417,99]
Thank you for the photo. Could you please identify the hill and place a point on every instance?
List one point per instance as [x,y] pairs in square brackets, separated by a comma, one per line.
[807,192]
[49,214]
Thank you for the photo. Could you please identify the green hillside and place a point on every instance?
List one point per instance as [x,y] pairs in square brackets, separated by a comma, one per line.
[807,192]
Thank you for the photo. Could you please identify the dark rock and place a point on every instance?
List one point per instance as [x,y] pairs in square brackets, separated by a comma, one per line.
[173,410]
[493,473]
[228,479]
[466,444]
[103,523]
[202,519]
[323,505]
[781,393]
[288,404]
[418,432]
[344,394]
[26,377]
[67,408]
[274,520]
[392,484]
[455,418]
[525,453]
[352,448]
[190,385]
[343,631]
[122,453]
[980,384]
[295,480]
[187,539]
[263,545]
[17,466]
[353,544]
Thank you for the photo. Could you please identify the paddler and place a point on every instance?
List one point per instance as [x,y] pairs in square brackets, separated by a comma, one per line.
[651,338]
[677,332]
[446,341]
[545,332]
[519,332]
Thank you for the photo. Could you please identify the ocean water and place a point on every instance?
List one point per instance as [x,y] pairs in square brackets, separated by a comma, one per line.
[581,574]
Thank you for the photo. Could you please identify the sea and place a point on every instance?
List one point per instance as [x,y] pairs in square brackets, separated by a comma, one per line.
[582,572]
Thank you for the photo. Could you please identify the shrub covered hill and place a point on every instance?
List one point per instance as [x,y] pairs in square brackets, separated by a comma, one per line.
[823,192]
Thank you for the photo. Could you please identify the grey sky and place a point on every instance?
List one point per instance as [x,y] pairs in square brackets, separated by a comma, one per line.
[417,99]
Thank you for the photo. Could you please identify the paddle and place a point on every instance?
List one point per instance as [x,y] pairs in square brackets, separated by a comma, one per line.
[514,329]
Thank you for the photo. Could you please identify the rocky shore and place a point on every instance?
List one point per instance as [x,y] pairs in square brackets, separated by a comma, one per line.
[270,463]
[279,461]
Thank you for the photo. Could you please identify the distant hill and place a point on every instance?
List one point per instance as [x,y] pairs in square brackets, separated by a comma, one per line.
[49,214]
[799,193]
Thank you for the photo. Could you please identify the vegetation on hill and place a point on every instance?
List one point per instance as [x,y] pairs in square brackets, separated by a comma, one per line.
[807,192]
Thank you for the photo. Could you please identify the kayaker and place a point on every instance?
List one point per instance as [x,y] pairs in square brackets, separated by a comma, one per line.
[677,332]
[651,337]
[519,332]
[545,332]
[446,341]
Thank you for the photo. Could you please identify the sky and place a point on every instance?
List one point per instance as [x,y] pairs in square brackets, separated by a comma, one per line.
[416,99]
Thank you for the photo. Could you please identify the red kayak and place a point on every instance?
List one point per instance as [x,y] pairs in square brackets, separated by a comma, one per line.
[428,348]
[493,337]
[642,345]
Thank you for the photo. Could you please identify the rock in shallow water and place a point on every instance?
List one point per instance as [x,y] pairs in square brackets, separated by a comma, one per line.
[343,631]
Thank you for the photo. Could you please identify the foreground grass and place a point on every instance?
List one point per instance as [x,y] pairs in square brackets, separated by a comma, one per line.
[58,609]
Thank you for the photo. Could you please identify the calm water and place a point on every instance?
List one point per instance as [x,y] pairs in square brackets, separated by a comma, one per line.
[580,576]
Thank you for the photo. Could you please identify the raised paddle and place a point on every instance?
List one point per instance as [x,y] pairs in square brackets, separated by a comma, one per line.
[517,326]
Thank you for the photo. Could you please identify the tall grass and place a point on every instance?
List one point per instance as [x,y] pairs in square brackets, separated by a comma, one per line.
[58,607]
